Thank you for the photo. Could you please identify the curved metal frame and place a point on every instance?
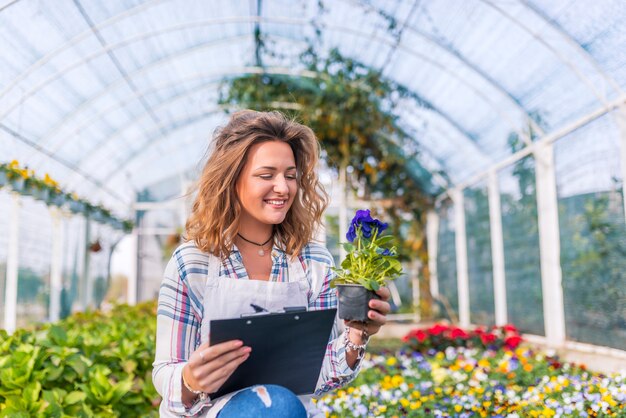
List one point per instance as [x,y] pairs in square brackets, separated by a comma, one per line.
[245,70]
[483,75]
[150,143]
[560,57]
[57,75]
[186,122]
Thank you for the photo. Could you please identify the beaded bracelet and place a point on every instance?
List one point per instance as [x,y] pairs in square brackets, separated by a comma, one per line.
[350,346]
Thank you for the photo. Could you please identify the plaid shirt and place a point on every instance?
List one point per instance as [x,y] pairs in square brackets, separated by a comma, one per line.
[180,312]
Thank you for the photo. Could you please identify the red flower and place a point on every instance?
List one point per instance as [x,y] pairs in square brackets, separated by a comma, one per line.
[418,334]
[479,330]
[487,338]
[421,335]
[513,341]
[510,328]
[458,333]
[437,329]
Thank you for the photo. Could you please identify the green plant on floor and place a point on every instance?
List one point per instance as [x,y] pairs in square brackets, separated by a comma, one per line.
[91,364]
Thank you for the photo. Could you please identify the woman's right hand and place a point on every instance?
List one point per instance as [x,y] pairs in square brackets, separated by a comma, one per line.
[210,366]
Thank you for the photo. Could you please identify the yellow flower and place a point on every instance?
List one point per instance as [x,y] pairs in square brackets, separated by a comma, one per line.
[14,164]
[404,402]
[483,362]
[397,380]
[391,361]
[547,412]
[415,405]
[49,181]
[458,408]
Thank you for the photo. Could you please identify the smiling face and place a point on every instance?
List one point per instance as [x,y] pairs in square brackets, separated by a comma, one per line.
[267,184]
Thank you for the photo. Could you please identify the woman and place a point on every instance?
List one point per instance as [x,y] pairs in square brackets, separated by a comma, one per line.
[250,242]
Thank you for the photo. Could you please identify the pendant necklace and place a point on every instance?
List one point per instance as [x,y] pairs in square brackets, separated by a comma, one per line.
[261,251]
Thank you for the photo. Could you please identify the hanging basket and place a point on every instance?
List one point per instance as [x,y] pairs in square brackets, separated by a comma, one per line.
[95,246]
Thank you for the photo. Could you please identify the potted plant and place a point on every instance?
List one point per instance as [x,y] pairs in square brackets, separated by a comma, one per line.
[371,262]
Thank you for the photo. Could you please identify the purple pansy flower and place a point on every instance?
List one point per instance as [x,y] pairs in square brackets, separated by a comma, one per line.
[367,223]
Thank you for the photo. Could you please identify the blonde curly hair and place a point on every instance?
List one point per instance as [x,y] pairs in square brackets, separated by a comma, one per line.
[214,219]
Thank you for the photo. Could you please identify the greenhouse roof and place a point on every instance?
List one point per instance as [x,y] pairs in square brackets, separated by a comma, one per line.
[110,97]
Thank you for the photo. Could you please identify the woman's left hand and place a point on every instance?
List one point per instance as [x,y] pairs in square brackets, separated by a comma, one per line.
[379,308]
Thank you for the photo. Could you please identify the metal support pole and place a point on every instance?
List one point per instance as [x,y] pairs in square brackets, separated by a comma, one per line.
[415,285]
[620,119]
[343,210]
[497,249]
[56,281]
[10,295]
[132,280]
[462,275]
[85,282]
[432,237]
[549,246]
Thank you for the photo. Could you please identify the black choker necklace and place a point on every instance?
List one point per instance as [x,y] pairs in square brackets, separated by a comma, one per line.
[261,251]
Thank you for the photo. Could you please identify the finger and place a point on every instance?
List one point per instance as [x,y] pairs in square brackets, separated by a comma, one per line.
[377,318]
[380,305]
[225,359]
[217,350]
[384,293]
[216,379]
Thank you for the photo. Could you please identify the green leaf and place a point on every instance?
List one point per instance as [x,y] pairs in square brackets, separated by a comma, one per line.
[57,335]
[77,363]
[380,241]
[346,264]
[31,392]
[129,366]
[53,374]
[74,397]
[349,247]
[373,284]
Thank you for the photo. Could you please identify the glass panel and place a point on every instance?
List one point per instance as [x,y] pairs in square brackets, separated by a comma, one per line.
[593,234]
[74,247]
[35,256]
[518,200]
[479,263]
[446,262]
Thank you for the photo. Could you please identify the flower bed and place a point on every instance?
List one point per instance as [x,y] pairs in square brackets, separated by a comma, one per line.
[476,382]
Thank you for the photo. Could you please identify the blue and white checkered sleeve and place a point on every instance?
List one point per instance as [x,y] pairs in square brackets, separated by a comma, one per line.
[335,371]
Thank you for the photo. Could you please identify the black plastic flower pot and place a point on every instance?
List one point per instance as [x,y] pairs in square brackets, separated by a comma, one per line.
[354,302]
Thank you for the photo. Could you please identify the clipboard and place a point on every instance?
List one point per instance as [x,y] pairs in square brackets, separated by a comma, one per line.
[287,349]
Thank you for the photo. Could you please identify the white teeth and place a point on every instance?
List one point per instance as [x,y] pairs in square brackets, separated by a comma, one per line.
[275,202]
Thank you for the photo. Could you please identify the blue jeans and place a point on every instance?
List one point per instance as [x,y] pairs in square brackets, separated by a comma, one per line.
[264,401]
